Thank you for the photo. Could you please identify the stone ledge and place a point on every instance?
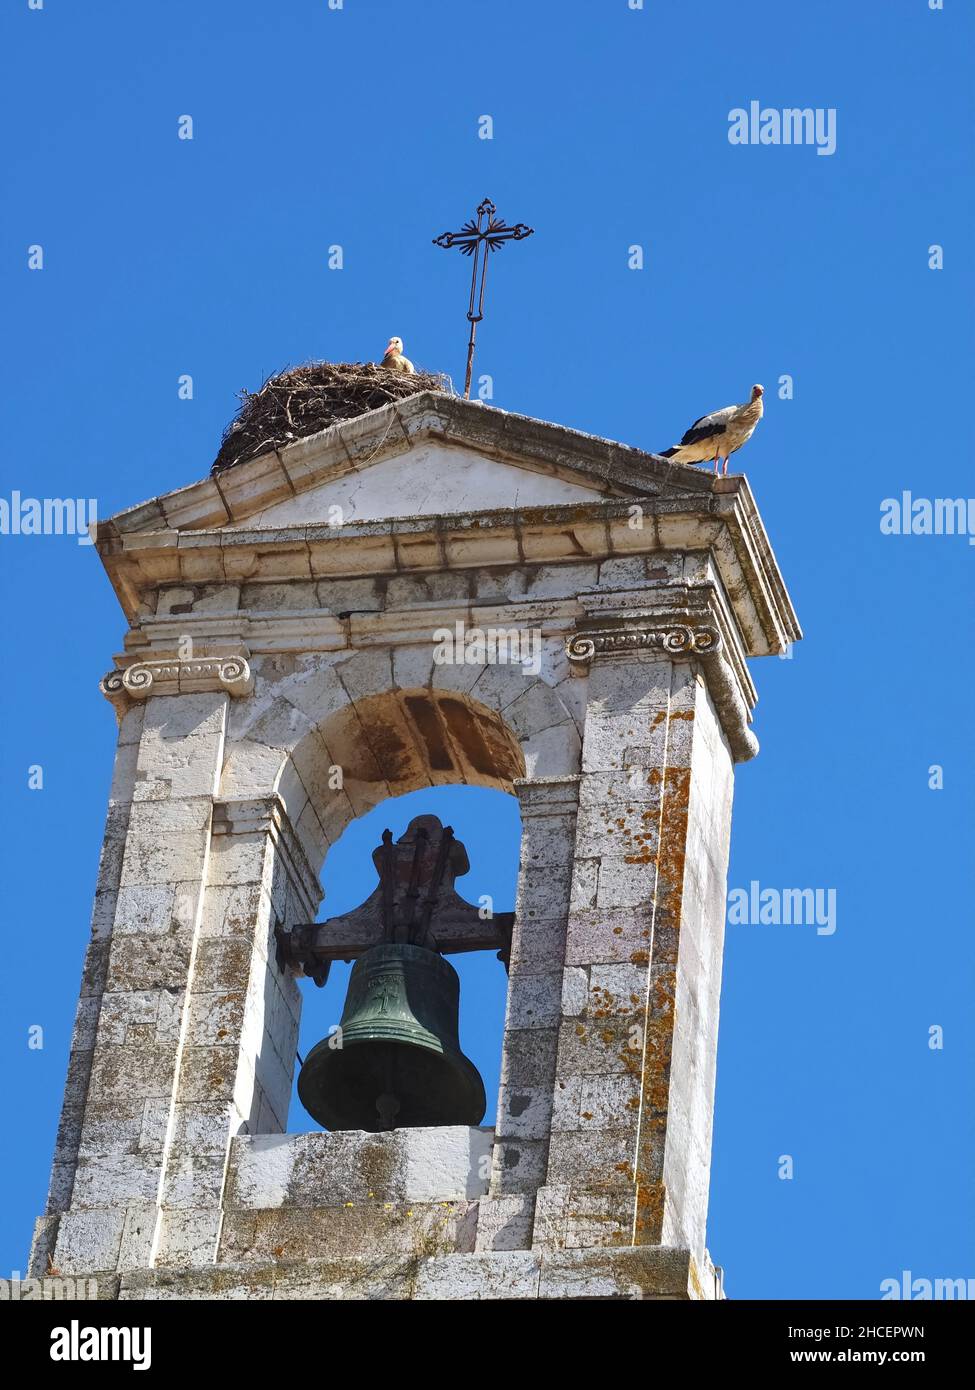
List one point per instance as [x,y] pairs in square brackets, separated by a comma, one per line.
[301,1171]
[631,1274]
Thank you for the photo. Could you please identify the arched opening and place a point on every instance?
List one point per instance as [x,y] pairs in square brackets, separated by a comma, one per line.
[332,750]
[487,822]
[373,765]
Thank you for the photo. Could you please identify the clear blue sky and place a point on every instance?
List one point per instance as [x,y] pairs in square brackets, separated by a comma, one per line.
[359,127]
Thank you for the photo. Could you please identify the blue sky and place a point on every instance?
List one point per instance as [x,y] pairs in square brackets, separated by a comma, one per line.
[359,127]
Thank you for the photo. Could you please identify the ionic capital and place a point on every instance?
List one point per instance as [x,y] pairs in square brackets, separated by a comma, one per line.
[175,675]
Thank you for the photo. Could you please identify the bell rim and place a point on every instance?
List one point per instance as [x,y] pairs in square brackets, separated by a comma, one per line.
[306,1078]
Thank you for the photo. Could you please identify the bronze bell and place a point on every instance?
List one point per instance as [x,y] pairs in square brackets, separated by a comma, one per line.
[396,1060]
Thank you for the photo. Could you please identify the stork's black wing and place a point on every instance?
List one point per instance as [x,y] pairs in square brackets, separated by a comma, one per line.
[705,428]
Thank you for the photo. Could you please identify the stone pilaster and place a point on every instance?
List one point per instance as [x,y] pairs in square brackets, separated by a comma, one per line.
[167,781]
[241,1022]
[634,1079]
[186,1026]
[93,978]
[524,1118]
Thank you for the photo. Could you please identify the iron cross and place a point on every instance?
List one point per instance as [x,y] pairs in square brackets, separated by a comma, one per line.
[478,239]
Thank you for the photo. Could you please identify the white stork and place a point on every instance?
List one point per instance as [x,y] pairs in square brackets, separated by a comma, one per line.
[394,361]
[720,434]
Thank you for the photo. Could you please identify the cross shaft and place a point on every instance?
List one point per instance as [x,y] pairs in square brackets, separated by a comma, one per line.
[478,239]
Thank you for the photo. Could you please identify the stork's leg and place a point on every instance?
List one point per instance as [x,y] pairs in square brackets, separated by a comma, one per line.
[726,465]
[717,462]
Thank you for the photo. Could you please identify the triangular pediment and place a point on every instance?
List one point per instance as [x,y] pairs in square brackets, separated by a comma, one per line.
[427,455]
[429,479]
[432,483]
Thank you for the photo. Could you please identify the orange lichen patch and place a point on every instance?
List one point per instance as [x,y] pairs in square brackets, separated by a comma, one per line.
[656,1092]
[654,1069]
[648,1227]
[586,1114]
[672,852]
[640,957]
[662,990]
[658,718]
[655,1080]
[660,1037]
[604,1004]
[643,850]
[616,1237]
[683,714]
[580,1031]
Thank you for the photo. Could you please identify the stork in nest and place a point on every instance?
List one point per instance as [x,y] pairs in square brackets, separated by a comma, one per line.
[394,361]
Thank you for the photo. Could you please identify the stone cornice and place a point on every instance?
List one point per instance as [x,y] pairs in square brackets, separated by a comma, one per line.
[724,523]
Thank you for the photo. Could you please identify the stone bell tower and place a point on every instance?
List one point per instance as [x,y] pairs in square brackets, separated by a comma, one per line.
[280,676]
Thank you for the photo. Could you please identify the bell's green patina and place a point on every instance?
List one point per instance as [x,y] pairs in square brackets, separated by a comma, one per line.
[395,1061]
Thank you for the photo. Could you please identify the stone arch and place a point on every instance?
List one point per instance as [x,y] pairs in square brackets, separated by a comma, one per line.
[392,722]
[334,738]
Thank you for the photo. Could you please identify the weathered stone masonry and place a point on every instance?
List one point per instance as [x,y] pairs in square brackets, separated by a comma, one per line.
[265,649]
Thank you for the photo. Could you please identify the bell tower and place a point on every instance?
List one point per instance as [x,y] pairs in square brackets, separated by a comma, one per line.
[431,592]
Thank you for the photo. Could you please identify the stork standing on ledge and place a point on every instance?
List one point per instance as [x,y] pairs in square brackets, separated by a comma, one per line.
[719,435]
[394,361]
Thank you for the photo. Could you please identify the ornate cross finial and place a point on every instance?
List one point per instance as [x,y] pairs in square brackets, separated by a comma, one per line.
[478,239]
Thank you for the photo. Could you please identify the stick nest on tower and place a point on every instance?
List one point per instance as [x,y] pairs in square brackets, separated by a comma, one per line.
[304,400]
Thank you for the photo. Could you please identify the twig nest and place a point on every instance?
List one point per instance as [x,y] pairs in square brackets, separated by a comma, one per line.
[304,400]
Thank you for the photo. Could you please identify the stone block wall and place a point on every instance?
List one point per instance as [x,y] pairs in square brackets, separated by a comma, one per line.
[173,1175]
